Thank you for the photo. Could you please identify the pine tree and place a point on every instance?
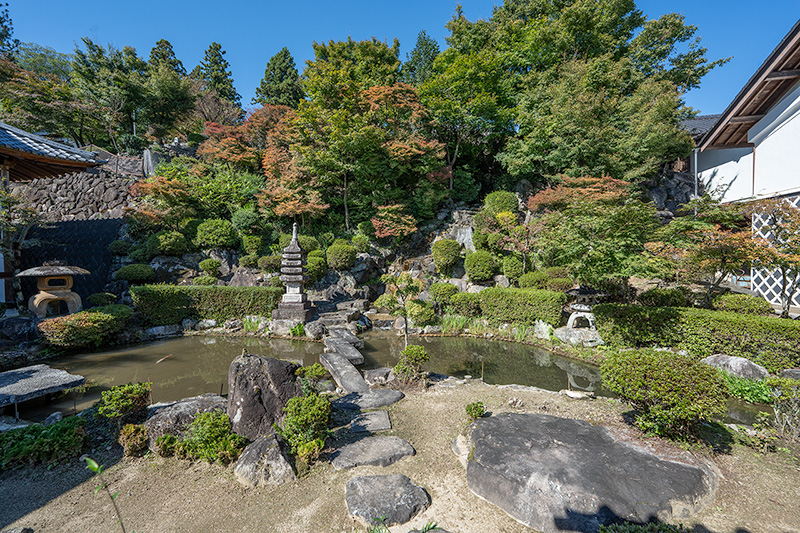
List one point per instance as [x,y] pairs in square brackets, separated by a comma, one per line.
[213,69]
[281,83]
[419,64]
[8,45]
[163,54]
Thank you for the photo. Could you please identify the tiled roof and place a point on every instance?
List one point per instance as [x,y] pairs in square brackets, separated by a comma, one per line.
[17,139]
[700,124]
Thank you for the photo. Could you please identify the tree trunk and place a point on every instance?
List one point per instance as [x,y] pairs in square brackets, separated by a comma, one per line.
[405,331]
[346,211]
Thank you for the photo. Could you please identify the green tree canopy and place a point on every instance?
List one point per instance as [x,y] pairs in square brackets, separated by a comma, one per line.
[163,54]
[281,83]
[419,63]
[213,69]
[44,60]
[8,44]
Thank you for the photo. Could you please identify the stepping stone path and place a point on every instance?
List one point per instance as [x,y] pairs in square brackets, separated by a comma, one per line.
[341,346]
[345,334]
[372,399]
[343,372]
[391,499]
[377,451]
[34,381]
[370,422]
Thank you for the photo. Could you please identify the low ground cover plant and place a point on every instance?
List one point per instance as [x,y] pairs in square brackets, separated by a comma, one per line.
[91,328]
[749,390]
[125,402]
[42,444]
[742,303]
[786,405]
[475,410]
[133,439]
[209,438]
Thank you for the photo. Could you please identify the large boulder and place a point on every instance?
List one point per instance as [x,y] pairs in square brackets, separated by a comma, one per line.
[259,388]
[173,418]
[586,337]
[19,329]
[737,366]
[264,462]
[393,499]
[556,474]
[791,373]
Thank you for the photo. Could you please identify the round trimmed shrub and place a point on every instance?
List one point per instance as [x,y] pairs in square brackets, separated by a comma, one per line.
[306,242]
[140,254]
[556,272]
[479,239]
[533,280]
[101,298]
[446,253]
[465,304]
[270,263]
[480,266]
[167,243]
[316,253]
[216,233]
[442,292]
[499,201]
[512,267]
[316,267]
[275,281]
[246,221]
[210,266]
[744,304]
[559,284]
[248,261]
[361,243]
[672,393]
[205,280]
[136,273]
[252,244]
[341,256]
[366,228]
[120,247]
[673,297]
[340,242]
[420,313]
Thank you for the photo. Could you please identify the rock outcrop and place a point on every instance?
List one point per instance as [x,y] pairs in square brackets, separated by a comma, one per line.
[737,366]
[263,462]
[393,499]
[172,418]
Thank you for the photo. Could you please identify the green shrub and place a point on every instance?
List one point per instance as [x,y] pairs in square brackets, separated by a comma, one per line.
[275,282]
[101,298]
[512,267]
[91,328]
[210,266]
[270,263]
[673,297]
[524,306]
[493,242]
[325,240]
[133,439]
[475,410]
[650,527]
[306,242]
[479,240]
[499,201]
[248,261]
[480,266]
[124,401]
[533,280]
[306,421]
[205,280]
[139,254]
[316,267]
[420,313]
[165,445]
[120,247]
[167,243]
[559,284]
[409,367]
[743,304]
[465,304]
[309,377]
[316,253]
[253,244]
[246,221]
[341,242]
[557,272]
[298,330]
[786,405]
[209,438]
[216,233]
[118,311]
[366,228]
[446,253]
[361,243]
[749,390]
[39,444]
[672,393]
[442,292]
[162,305]
[136,273]
[189,228]
[341,256]
[772,342]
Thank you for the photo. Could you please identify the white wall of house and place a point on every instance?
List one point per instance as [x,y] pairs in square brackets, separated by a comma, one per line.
[726,173]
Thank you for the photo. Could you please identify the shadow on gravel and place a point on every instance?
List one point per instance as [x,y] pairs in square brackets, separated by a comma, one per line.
[590,523]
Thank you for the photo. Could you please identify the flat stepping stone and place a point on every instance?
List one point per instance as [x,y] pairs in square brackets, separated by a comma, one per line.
[344,373]
[391,499]
[377,451]
[342,347]
[555,474]
[370,422]
[368,400]
[346,335]
[34,381]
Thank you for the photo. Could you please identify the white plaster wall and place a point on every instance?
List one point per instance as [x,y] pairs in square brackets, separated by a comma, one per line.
[727,172]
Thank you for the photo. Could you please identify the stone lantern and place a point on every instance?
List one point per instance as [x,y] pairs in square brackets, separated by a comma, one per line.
[294,305]
[54,281]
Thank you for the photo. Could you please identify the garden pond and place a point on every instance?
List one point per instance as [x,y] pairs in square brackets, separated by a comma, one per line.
[192,365]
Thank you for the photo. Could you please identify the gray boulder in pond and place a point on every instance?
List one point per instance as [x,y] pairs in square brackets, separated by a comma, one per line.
[173,418]
[393,499]
[556,474]
[259,388]
[263,462]
[737,366]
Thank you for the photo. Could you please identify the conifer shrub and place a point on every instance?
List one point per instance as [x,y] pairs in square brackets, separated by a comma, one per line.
[465,304]
[366,228]
[306,242]
[316,253]
[341,256]
[316,267]
[252,244]
[120,247]
[361,243]
[559,284]
[125,401]
[42,444]
[205,280]
[420,313]
[480,266]
[670,297]
[101,298]
[493,242]
[479,240]
[136,273]
[556,272]
[524,306]
[270,263]
[210,266]
[446,253]
[305,426]
[533,280]
[442,292]
[512,267]
[499,201]
[216,233]
[166,242]
[409,367]
[742,303]
[139,254]
[249,261]
[671,393]
[246,221]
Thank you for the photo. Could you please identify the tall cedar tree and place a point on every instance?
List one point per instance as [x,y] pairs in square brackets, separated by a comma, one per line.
[8,45]
[213,69]
[418,67]
[281,83]
[163,54]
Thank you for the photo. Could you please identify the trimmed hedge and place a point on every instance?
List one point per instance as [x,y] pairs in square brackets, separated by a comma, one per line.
[465,304]
[341,256]
[524,306]
[743,303]
[769,341]
[480,266]
[161,305]
[442,292]
[136,273]
[446,253]
[90,328]
[533,280]
[674,297]
[216,233]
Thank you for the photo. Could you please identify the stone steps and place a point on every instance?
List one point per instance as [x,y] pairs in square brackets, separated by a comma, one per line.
[341,346]
[344,373]
[346,335]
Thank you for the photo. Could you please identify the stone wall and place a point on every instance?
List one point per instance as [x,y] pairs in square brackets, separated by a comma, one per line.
[79,196]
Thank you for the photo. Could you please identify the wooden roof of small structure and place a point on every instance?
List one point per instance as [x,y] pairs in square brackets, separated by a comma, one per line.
[30,156]
[773,79]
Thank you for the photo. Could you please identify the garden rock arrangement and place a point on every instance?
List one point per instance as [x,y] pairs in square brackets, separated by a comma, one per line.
[378,450]
[172,418]
[264,462]
[737,366]
[555,474]
[392,499]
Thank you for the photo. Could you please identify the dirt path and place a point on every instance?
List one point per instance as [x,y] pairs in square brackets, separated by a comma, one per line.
[756,493]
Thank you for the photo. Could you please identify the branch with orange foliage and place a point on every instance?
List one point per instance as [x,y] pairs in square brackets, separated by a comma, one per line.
[571,191]
[391,221]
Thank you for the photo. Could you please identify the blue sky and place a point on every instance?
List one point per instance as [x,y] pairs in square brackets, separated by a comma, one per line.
[253,31]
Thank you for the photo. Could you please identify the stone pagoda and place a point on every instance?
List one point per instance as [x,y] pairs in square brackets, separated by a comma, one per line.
[294,306]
